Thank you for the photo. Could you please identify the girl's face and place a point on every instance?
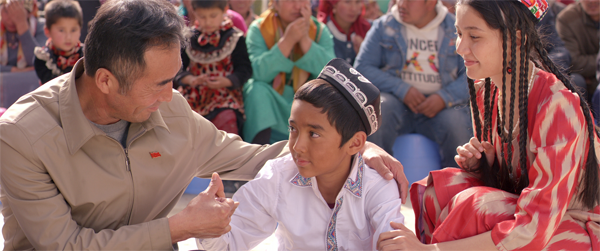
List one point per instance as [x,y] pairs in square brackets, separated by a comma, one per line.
[479,45]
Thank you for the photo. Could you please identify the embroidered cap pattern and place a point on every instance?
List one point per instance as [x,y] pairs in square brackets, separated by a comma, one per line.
[358,95]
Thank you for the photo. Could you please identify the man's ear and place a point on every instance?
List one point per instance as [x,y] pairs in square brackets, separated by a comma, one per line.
[105,80]
[356,143]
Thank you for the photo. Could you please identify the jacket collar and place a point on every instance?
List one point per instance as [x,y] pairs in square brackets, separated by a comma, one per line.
[77,128]
[354,183]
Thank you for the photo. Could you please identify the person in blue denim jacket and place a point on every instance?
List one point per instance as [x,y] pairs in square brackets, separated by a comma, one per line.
[410,55]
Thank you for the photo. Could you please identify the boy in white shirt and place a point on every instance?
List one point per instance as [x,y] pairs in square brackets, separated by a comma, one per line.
[321,196]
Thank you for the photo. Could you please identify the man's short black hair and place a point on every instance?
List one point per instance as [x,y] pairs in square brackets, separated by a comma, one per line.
[58,9]
[207,4]
[340,113]
[123,30]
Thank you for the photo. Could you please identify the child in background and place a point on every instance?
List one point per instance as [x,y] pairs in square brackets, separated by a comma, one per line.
[63,48]
[321,196]
[215,67]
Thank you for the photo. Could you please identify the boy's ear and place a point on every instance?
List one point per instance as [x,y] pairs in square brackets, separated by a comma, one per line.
[46,32]
[356,143]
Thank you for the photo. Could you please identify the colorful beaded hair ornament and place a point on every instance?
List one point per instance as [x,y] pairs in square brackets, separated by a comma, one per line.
[537,7]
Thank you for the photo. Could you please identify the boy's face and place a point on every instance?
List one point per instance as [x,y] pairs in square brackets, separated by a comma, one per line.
[209,19]
[64,33]
[315,144]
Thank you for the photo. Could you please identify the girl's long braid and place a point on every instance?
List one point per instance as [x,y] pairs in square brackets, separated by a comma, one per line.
[523,101]
[513,80]
[589,192]
[474,108]
[501,121]
[487,121]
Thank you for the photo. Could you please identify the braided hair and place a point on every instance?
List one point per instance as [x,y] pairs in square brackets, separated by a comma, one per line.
[500,174]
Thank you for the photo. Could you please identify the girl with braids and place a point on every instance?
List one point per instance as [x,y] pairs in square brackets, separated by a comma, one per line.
[529,179]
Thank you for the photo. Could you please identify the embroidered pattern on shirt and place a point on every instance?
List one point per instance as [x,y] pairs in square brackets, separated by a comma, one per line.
[298,180]
[331,229]
[355,187]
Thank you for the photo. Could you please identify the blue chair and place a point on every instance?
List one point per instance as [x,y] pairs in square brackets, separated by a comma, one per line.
[418,155]
[197,185]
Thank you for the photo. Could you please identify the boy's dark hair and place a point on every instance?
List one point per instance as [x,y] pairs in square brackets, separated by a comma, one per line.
[207,4]
[340,112]
[123,30]
[57,9]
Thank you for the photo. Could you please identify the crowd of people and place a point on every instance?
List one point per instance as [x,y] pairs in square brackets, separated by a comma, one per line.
[141,96]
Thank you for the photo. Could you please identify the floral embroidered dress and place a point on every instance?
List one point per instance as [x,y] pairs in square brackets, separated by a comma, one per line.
[280,200]
[51,62]
[219,54]
[452,204]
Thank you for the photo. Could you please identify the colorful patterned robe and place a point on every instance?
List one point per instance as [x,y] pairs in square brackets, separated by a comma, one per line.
[452,204]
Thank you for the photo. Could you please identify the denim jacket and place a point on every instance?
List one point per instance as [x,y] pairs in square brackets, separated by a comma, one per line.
[383,54]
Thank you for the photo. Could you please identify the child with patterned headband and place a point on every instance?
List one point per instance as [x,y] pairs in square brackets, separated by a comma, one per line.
[321,196]
[63,48]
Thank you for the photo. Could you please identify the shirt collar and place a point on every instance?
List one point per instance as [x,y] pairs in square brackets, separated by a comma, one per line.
[353,183]
[77,128]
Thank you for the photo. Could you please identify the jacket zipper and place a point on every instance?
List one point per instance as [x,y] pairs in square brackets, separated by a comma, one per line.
[128,168]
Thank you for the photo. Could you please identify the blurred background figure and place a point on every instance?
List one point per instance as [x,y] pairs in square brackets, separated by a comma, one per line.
[244,8]
[287,47]
[451,5]
[345,21]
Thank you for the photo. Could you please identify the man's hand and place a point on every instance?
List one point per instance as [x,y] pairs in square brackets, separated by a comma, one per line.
[218,82]
[206,216]
[413,99]
[18,14]
[388,167]
[431,106]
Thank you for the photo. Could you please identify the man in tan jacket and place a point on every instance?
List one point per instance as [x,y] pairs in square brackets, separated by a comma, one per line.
[97,158]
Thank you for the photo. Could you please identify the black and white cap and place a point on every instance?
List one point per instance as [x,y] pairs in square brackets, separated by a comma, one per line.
[357,89]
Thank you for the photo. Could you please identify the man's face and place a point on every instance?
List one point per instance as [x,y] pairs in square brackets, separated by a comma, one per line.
[415,12]
[591,7]
[150,90]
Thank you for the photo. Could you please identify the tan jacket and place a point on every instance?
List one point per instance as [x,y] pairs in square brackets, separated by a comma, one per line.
[580,35]
[66,185]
